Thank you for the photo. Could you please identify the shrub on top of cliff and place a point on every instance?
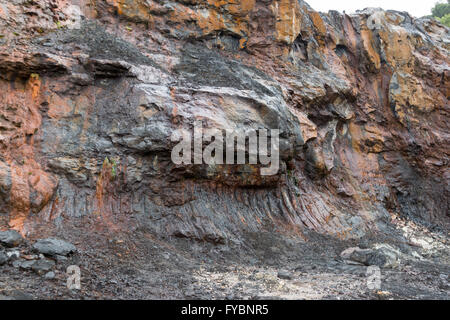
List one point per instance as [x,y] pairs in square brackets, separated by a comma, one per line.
[441,12]
[441,9]
[445,20]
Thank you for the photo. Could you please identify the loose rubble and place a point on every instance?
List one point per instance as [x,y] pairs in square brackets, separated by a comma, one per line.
[315,268]
[25,260]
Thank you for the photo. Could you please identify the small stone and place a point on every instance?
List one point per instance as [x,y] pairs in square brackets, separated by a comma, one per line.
[13,255]
[49,275]
[23,264]
[20,295]
[42,266]
[3,258]
[60,258]
[53,247]
[30,257]
[286,275]
[10,238]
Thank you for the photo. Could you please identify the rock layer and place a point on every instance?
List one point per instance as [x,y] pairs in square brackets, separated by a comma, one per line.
[91,91]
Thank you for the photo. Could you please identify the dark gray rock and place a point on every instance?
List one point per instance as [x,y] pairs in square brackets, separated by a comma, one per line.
[363,256]
[60,258]
[382,256]
[42,266]
[10,238]
[285,275]
[3,258]
[53,247]
[23,264]
[20,295]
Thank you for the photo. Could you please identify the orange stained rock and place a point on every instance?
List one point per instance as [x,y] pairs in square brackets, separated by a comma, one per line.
[59,107]
[398,48]
[360,161]
[288,20]
[234,7]
[411,95]
[350,34]
[31,190]
[31,187]
[134,9]
[371,53]
[43,184]
[212,20]
[308,128]
[319,25]
[210,16]
[35,84]
[20,197]
[242,43]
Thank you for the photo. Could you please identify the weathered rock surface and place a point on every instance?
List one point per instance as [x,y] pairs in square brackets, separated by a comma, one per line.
[90,92]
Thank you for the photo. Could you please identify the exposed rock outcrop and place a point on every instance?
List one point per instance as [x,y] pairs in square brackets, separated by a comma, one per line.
[91,91]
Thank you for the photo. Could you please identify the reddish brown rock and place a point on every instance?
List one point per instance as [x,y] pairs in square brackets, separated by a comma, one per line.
[361,102]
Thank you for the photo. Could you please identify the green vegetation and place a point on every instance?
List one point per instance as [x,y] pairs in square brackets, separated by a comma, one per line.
[113,169]
[59,25]
[445,20]
[112,164]
[441,12]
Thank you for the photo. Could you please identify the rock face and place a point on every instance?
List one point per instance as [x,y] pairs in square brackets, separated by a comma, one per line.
[91,91]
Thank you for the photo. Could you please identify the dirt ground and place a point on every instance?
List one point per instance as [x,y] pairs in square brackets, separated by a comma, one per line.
[138,265]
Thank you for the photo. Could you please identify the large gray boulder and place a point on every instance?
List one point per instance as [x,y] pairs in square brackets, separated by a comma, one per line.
[10,238]
[54,247]
[381,255]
